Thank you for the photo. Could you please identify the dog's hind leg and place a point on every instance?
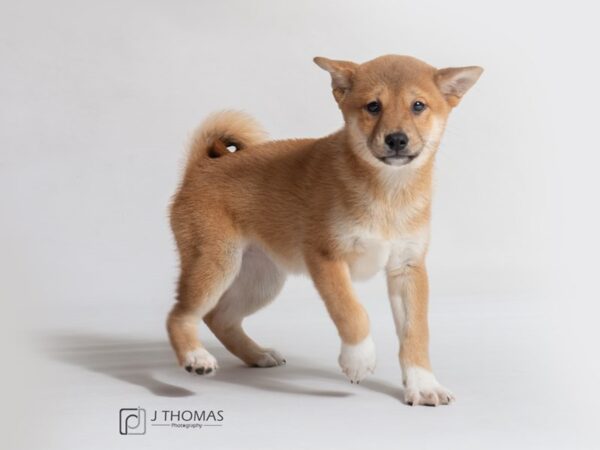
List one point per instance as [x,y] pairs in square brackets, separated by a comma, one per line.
[257,284]
[204,278]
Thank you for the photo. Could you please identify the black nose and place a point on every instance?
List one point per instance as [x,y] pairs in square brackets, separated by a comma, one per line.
[396,141]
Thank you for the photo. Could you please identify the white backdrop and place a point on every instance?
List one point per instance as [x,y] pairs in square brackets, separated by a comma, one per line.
[97,100]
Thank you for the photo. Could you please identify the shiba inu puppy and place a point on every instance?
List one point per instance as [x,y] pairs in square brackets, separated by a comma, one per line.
[339,208]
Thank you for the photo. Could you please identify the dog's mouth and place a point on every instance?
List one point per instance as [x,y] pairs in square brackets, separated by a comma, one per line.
[398,160]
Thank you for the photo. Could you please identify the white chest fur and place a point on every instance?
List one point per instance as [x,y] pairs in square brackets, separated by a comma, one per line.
[370,254]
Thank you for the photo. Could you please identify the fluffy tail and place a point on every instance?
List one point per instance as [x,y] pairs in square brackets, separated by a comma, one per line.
[221,131]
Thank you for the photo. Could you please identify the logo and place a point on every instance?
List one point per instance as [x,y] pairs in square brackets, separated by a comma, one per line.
[132,421]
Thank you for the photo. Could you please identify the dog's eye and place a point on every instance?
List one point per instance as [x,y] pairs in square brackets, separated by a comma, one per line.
[373,107]
[418,106]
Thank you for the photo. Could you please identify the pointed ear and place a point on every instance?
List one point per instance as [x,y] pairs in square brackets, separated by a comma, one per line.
[341,73]
[454,82]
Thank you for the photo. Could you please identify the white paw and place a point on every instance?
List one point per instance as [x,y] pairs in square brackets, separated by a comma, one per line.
[421,388]
[358,360]
[200,361]
[270,358]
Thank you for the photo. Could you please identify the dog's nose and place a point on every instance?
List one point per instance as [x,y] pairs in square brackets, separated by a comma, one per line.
[396,141]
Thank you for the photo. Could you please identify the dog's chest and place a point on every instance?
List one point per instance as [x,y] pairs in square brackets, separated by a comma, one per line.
[367,256]
[369,253]
[382,237]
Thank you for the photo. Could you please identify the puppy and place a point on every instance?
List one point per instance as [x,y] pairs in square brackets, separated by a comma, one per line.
[339,208]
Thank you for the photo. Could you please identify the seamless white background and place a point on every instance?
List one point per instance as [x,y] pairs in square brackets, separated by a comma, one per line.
[97,101]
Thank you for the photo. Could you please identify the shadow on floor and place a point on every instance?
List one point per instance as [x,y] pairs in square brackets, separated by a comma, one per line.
[142,362]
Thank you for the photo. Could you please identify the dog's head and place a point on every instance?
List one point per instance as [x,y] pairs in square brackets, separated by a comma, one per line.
[395,107]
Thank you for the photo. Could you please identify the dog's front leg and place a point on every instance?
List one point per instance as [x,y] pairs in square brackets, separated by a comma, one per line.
[408,290]
[332,280]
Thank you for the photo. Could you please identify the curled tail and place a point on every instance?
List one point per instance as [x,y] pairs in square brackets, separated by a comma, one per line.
[221,130]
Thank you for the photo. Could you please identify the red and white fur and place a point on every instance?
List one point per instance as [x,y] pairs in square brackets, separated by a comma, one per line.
[338,208]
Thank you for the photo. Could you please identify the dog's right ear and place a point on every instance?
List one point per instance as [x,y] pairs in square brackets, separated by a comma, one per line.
[341,73]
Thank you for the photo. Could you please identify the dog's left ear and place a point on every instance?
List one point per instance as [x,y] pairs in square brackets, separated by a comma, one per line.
[454,82]
[341,73]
